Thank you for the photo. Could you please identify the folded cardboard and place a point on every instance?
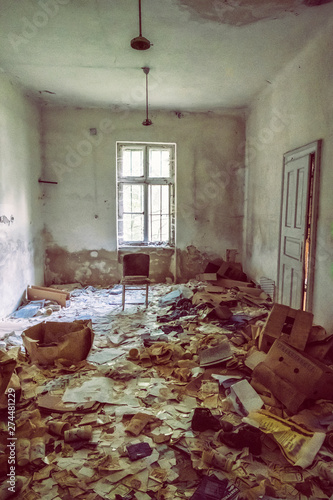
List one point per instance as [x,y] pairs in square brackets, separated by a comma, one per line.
[50,341]
[231,270]
[255,292]
[252,300]
[207,277]
[290,325]
[214,299]
[293,376]
[232,283]
[226,274]
[213,267]
[40,292]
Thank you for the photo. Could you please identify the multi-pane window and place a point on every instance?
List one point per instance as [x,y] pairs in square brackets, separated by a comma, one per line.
[145,194]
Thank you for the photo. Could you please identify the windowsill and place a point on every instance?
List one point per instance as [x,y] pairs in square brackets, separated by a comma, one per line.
[151,247]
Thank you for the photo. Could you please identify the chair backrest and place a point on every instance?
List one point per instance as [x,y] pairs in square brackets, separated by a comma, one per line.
[136,264]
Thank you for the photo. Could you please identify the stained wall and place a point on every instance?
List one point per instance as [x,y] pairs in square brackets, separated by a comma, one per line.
[80,210]
[21,241]
[293,111]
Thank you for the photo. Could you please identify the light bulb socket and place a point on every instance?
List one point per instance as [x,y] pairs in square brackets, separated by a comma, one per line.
[140,43]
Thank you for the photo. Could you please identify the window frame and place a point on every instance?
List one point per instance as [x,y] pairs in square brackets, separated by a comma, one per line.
[146,181]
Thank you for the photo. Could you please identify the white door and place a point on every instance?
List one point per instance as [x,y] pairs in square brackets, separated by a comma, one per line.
[297,226]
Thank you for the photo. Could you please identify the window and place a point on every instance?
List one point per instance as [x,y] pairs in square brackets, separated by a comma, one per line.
[146,205]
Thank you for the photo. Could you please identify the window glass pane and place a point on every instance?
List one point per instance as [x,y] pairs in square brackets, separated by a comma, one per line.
[132,198]
[159,213]
[159,163]
[159,230]
[133,227]
[132,163]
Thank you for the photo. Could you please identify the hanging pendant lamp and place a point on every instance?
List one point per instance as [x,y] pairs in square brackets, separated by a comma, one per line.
[146,122]
[140,42]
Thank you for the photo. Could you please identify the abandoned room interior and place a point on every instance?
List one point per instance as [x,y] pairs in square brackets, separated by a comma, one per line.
[166,236]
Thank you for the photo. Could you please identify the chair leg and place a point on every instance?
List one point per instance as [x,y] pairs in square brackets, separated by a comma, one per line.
[123,300]
[146,296]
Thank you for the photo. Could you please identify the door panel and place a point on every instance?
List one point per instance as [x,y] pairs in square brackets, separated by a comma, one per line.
[293,229]
[298,226]
[292,248]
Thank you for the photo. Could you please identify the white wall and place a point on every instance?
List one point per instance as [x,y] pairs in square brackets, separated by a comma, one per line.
[80,211]
[295,110]
[21,242]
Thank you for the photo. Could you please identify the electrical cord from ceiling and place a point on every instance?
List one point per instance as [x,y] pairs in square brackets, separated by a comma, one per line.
[140,42]
[146,122]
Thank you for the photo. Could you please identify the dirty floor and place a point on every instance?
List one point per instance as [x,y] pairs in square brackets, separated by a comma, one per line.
[147,415]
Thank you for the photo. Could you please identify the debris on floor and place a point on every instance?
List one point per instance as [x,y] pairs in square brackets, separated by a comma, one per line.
[213,392]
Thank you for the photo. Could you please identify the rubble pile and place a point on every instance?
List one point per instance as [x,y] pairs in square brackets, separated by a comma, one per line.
[212,392]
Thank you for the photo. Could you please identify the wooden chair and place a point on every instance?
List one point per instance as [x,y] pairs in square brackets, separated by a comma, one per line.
[135,273]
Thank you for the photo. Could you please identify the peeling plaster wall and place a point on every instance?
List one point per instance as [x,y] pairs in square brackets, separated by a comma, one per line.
[21,242]
[245,12]
[296,110]
[80,211]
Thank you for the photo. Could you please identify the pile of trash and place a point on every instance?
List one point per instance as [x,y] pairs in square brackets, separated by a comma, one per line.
[212,392]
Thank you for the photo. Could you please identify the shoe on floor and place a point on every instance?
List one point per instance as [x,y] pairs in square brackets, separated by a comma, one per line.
[203,419]
[245,437]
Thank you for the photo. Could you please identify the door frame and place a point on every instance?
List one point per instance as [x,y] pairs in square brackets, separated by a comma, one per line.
[313,149]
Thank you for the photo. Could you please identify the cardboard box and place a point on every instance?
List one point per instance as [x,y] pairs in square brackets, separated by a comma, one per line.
[293,376]
[281,389]
[50,341]
[290,325]
[40,292]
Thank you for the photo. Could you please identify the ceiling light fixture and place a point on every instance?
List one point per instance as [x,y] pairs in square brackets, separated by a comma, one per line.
[140,42]
[147,121]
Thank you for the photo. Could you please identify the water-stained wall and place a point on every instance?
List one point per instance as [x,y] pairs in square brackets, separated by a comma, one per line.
[21,242]
[80,211]
[296,110]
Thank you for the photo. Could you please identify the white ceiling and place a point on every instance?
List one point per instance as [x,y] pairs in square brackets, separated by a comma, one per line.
[206,54]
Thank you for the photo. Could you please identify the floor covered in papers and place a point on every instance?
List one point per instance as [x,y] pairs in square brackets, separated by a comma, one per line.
[148,416]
